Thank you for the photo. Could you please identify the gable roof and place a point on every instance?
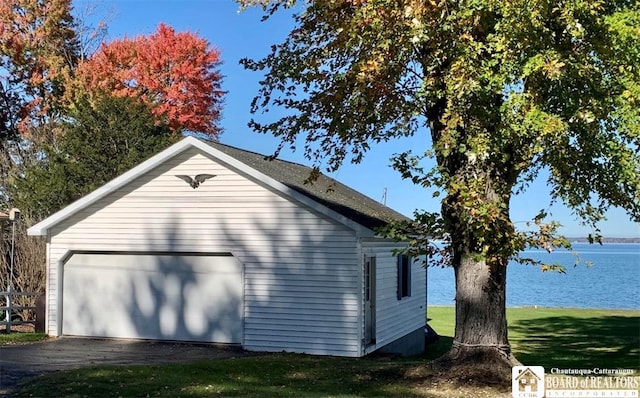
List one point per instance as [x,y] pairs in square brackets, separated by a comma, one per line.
[325,195]
[4,216]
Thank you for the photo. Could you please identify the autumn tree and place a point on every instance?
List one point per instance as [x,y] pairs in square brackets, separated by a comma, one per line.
[506,89]
[38,50]
[176,74]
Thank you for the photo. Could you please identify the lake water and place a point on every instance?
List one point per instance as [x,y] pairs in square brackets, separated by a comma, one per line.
[612,282]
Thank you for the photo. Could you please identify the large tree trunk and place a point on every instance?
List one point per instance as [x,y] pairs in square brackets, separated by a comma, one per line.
[481,349]
[481,321]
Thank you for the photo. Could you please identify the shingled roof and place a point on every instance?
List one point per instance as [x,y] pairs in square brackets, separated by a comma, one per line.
[325,190]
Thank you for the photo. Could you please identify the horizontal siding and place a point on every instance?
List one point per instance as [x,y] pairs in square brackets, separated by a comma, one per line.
[306,347]
[282,317]
[286,297]
[395,318]
[300,268]
[301,336]
[295,309]
[326,283]
[261,321]
[304,266]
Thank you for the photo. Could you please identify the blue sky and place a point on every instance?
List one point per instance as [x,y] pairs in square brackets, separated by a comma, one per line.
[241,34]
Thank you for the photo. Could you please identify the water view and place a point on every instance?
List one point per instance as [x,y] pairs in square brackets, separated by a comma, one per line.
[612,282]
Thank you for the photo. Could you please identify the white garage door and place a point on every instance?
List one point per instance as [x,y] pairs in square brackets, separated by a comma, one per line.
[151,296]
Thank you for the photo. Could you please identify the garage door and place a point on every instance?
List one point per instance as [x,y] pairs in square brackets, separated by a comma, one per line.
[150,296]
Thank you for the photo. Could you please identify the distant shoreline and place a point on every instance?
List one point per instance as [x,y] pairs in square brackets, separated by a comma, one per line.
[606,240]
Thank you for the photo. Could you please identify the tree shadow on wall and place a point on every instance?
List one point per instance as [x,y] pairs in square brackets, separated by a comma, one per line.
[186,296]
[299,288]
[579,343]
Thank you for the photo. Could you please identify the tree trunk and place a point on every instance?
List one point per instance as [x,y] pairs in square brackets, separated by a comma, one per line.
[481,321]
[480,350]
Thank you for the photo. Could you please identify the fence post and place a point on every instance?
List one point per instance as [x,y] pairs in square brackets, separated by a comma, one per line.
[40,311]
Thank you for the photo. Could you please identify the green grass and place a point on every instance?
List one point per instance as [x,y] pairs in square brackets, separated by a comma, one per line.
[563,338]
[277,375]
[20,337]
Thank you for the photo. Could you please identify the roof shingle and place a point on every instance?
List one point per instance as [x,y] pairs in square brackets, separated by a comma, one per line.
[325,190]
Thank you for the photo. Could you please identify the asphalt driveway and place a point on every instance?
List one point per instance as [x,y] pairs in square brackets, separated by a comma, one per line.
[19,362]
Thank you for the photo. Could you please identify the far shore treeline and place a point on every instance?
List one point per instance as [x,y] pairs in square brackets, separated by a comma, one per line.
[607,240]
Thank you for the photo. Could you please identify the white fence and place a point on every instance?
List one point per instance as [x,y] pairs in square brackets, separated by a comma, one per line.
[10,310]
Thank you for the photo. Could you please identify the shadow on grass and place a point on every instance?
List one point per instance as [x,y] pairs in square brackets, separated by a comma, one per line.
[437,349]
[286,375]
[578,342]
[569,342]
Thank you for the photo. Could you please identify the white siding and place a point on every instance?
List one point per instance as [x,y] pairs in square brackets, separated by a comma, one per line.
[395,318]
[301,269]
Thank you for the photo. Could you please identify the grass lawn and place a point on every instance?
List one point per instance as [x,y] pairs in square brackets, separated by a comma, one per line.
[563,338]
[20,337]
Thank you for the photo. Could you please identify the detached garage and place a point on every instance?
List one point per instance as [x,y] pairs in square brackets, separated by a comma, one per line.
[209,243]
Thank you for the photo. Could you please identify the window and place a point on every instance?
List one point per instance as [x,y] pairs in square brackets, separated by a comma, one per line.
[404,276]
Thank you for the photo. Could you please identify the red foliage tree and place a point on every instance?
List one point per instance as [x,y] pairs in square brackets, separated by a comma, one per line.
[176,74]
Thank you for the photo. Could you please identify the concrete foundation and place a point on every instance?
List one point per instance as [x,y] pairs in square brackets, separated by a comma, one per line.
[409,345]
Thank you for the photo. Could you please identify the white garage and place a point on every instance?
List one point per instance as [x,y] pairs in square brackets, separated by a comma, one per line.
[153,296]
[206,242]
